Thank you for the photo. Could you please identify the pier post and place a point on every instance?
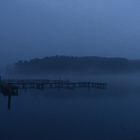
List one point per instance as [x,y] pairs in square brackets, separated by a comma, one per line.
[9,102]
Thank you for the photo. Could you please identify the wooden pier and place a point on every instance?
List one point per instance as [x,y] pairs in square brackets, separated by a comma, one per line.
[8,91]
[10,88]
[42,84]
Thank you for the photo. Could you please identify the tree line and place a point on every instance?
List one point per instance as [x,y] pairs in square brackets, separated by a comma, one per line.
[71,64]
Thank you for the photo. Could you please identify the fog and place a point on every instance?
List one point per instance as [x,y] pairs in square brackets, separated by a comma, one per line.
[37,28]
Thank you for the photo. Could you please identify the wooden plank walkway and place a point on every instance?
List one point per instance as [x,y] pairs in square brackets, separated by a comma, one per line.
[42,84]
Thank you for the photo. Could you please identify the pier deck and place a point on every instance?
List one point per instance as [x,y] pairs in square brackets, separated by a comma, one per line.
[41,84]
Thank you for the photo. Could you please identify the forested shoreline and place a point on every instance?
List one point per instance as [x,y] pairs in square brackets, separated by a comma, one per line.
[70,64]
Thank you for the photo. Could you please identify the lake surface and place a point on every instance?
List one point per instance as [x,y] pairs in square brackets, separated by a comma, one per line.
[80,114]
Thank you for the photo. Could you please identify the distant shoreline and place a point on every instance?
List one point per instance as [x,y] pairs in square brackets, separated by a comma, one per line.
[75,65]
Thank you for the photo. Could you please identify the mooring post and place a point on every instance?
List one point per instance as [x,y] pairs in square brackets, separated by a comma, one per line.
[9,102]
[0,78]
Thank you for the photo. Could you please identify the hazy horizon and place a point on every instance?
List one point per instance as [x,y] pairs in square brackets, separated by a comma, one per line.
[39,28]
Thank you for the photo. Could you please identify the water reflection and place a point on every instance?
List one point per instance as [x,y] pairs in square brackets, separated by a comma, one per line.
[72,114]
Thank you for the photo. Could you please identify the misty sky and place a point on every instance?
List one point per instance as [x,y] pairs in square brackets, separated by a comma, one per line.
[37,28]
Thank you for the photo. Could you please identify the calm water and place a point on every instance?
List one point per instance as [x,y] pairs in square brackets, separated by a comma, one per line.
[112,114]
